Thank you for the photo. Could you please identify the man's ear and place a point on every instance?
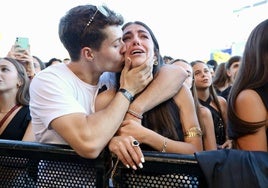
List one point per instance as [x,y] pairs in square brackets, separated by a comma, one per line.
[88,53]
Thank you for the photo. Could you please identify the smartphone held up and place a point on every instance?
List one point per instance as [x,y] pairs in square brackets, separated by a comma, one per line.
[22,44]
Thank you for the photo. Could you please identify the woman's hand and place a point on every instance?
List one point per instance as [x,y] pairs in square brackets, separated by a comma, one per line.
[127,149]
[133,128]
[25,58]
[228,144]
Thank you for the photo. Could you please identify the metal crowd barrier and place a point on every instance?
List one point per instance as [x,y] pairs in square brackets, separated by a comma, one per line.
[34,165]
[162,170]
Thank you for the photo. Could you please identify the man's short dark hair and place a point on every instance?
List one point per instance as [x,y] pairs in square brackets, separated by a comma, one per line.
[232,60]
[75,32]
[212,63]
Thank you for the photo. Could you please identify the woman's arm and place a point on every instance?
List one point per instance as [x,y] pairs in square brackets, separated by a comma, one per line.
[164,86]
[249,107]
[228,143]
[146,136]
[188,117]
[153,139]
[206,120]
[223,105]
[169,79]
[132,156]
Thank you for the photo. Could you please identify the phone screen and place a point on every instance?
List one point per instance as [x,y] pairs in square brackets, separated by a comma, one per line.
[21,44]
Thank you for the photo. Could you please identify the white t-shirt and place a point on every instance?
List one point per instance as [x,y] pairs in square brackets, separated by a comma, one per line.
[108,79]
[54,92]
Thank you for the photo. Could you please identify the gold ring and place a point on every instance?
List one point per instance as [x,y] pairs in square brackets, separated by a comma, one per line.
[135,143]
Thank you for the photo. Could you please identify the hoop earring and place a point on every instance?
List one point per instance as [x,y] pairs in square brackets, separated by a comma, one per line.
[155,62]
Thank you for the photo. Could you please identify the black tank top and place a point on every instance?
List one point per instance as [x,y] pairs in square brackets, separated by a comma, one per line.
[217,120]
[16,128]
[263,93]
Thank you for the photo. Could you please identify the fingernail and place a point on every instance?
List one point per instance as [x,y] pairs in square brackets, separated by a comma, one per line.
[127,166]
[142,160]
[134,167]
[140,165]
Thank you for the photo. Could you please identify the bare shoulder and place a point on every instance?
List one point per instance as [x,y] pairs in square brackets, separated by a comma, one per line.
[222,100]
[204,111]
[247,94]
[249,98]
[249,106]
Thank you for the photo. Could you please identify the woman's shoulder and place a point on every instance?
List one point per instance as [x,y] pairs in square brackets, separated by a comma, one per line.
[247,94]
[222,101]
[248,98]
[204,111]
[249,106]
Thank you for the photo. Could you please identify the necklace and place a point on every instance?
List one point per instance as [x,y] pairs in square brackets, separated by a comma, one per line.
[8,114]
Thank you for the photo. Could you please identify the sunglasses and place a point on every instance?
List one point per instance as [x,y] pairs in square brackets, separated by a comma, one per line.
[101,10]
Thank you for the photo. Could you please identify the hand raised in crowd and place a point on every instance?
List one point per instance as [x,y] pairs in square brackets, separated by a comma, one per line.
[25,58]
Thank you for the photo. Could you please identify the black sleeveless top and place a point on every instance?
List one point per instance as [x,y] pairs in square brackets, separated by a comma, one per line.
[217,120]
[150,122]
[16,128]
[263,93]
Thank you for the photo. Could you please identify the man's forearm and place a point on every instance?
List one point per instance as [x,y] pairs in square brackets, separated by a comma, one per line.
[165,85]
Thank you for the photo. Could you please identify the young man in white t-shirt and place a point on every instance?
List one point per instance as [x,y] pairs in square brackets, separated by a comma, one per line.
[63,96]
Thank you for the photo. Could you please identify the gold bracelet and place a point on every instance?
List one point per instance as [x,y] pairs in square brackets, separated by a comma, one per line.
[193,132]
[164,145]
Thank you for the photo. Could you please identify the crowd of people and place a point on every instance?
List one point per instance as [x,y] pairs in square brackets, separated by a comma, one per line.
[117,90]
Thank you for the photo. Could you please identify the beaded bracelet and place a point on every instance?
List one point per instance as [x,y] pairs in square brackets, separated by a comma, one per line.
[135,114]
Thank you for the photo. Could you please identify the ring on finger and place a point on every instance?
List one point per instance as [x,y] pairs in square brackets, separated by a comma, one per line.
[135,143]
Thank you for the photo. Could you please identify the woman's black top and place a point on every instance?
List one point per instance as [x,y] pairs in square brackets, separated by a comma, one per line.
[263,93]
[219,127]
[16,128]
[236,130]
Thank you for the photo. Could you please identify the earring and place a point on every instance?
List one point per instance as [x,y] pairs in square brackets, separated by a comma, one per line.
[19,84]
[155,62]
